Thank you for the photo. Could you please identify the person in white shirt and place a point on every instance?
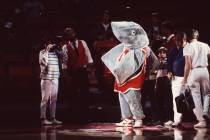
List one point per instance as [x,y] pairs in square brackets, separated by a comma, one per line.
[196,75]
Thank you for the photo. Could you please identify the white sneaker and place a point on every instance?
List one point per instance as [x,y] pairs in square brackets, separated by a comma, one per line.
[201,124]
[169,123]
[125,122]
[56,122]
[46,122]
[138,123]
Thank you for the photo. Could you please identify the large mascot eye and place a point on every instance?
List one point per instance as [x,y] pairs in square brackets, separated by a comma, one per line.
[133,32]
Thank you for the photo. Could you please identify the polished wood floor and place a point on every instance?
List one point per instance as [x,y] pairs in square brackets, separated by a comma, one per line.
[105,131]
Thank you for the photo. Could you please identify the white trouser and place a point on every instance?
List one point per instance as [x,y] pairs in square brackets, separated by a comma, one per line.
[176,88]
[130,105]
[199,83]
[49,89]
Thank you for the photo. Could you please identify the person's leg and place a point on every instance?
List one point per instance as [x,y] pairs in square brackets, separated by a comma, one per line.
[205,89]
[45,89]
[152,97]
[125,112]
[124,107]
[53,98]
[168,100]
[53,101]
[133,97]
[83,83]
[176,89]
[159,102]
[196,94]
[206,104]
[197,100]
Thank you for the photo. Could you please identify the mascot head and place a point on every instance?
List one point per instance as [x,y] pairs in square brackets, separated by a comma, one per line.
[130,33]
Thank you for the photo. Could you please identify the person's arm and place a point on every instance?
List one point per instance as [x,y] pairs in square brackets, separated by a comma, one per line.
[87,52]
[208,52]
[43,57]
[170,61]
[187,68]
[64,54]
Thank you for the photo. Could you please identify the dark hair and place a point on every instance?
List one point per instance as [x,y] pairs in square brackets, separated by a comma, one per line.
[168,25]
[194,34]
[181,35]
[68,31]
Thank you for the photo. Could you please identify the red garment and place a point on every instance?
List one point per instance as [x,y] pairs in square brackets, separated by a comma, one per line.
[134,83]
[76,61]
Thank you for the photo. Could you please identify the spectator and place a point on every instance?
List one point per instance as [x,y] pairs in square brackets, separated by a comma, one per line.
[155,36]
[50,60]
[103,31]
[79,62]
[162,87]
[176,64]
[167,29]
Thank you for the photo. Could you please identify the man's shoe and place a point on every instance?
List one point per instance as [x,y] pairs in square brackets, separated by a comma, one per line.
[169,123]
[138,123]
[56,122]
[125,123]
[201,124]
[46,122]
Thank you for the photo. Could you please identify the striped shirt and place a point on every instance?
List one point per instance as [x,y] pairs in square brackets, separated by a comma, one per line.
[51,70]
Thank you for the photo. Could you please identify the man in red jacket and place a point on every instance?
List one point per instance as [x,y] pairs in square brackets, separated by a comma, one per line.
[78,63]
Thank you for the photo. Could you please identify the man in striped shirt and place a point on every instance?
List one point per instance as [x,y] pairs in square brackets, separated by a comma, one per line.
[50,60]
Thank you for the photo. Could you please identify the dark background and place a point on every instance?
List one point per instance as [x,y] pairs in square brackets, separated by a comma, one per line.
[20,44]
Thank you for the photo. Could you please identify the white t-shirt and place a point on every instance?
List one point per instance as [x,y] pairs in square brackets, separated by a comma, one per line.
[198,51]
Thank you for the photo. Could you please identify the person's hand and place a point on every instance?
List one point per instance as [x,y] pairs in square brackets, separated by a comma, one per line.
[184,82]
[170,75]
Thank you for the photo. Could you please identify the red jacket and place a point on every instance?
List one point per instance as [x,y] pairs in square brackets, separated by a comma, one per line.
[76,61]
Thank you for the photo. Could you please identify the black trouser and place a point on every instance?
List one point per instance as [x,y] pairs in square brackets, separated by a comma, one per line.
[164,99]
[148,97]
[80,86]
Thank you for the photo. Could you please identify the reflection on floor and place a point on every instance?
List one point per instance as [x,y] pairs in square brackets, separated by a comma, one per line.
[105,131]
